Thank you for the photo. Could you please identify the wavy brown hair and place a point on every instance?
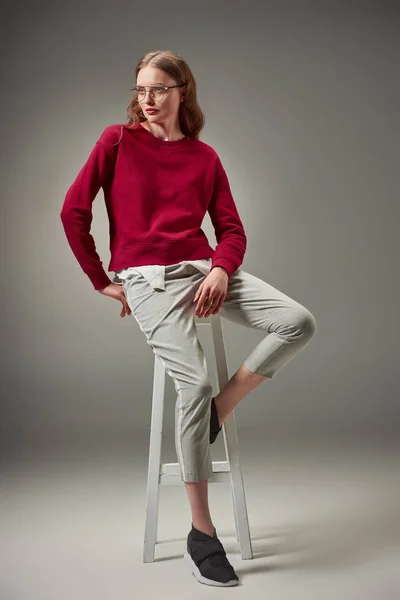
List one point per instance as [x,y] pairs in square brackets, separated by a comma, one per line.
[191,117]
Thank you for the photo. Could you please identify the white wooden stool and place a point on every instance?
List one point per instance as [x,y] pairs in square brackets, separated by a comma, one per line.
[169,473]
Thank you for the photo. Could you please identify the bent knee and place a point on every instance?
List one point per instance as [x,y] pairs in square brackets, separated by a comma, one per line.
[307,323]
[300,323]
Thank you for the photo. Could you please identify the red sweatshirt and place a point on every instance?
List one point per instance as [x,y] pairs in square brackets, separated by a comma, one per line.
[156,194]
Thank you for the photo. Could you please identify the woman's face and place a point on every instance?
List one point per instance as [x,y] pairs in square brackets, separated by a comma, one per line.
[168,107]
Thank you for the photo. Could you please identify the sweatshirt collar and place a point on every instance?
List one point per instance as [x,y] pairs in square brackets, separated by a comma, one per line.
[152,139]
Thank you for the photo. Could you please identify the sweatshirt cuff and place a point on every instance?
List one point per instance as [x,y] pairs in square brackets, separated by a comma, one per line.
[100,281]
[225,264]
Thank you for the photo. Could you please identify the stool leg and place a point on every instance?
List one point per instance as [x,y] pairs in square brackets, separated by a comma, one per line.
[234,509]
[237,486]
[153,473]
[232,447]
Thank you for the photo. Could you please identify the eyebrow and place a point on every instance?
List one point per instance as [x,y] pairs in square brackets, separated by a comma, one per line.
[141,84]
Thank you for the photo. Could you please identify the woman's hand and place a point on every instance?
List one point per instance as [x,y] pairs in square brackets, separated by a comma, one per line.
[114,290]
[212,292]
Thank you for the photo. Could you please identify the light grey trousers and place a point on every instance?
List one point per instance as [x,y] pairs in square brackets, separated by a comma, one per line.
[167,318]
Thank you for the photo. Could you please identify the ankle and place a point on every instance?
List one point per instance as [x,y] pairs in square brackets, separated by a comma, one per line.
[207,528]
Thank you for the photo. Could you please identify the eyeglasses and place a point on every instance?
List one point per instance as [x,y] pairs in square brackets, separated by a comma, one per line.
[158,92]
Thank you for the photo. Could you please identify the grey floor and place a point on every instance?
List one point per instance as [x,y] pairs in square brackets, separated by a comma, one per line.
[324,524]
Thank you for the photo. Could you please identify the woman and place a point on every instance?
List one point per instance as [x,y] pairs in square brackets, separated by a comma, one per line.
[159,180]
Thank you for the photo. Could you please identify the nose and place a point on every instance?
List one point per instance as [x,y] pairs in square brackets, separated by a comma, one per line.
[149,97]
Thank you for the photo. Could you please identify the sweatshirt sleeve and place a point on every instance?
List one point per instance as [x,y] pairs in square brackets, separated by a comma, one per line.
[76,213]
[229,230]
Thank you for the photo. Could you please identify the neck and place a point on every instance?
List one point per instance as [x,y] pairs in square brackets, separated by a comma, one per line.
[162,133]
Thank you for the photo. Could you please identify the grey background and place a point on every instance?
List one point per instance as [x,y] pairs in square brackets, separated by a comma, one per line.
[301,102]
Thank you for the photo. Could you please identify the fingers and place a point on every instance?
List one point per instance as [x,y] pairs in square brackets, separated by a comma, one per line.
[125,306]
[208,308]
[216,308]
[125,310]
[116,291]
[202,305]
[202,299]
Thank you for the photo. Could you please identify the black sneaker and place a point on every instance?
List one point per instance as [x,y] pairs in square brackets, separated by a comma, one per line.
[214,423]
[207,557]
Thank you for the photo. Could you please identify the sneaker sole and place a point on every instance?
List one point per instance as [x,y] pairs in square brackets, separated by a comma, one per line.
[202,579]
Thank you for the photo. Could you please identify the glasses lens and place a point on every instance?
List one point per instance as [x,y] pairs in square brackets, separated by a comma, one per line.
[156,92]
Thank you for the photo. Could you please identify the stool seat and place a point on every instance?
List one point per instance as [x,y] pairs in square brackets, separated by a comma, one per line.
[229,470]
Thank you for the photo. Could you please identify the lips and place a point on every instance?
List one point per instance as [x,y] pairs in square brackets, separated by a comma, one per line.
[151,111]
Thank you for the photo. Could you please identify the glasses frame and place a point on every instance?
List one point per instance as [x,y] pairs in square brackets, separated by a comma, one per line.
[165,88]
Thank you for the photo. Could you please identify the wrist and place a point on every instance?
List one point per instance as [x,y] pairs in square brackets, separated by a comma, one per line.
[222,268]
